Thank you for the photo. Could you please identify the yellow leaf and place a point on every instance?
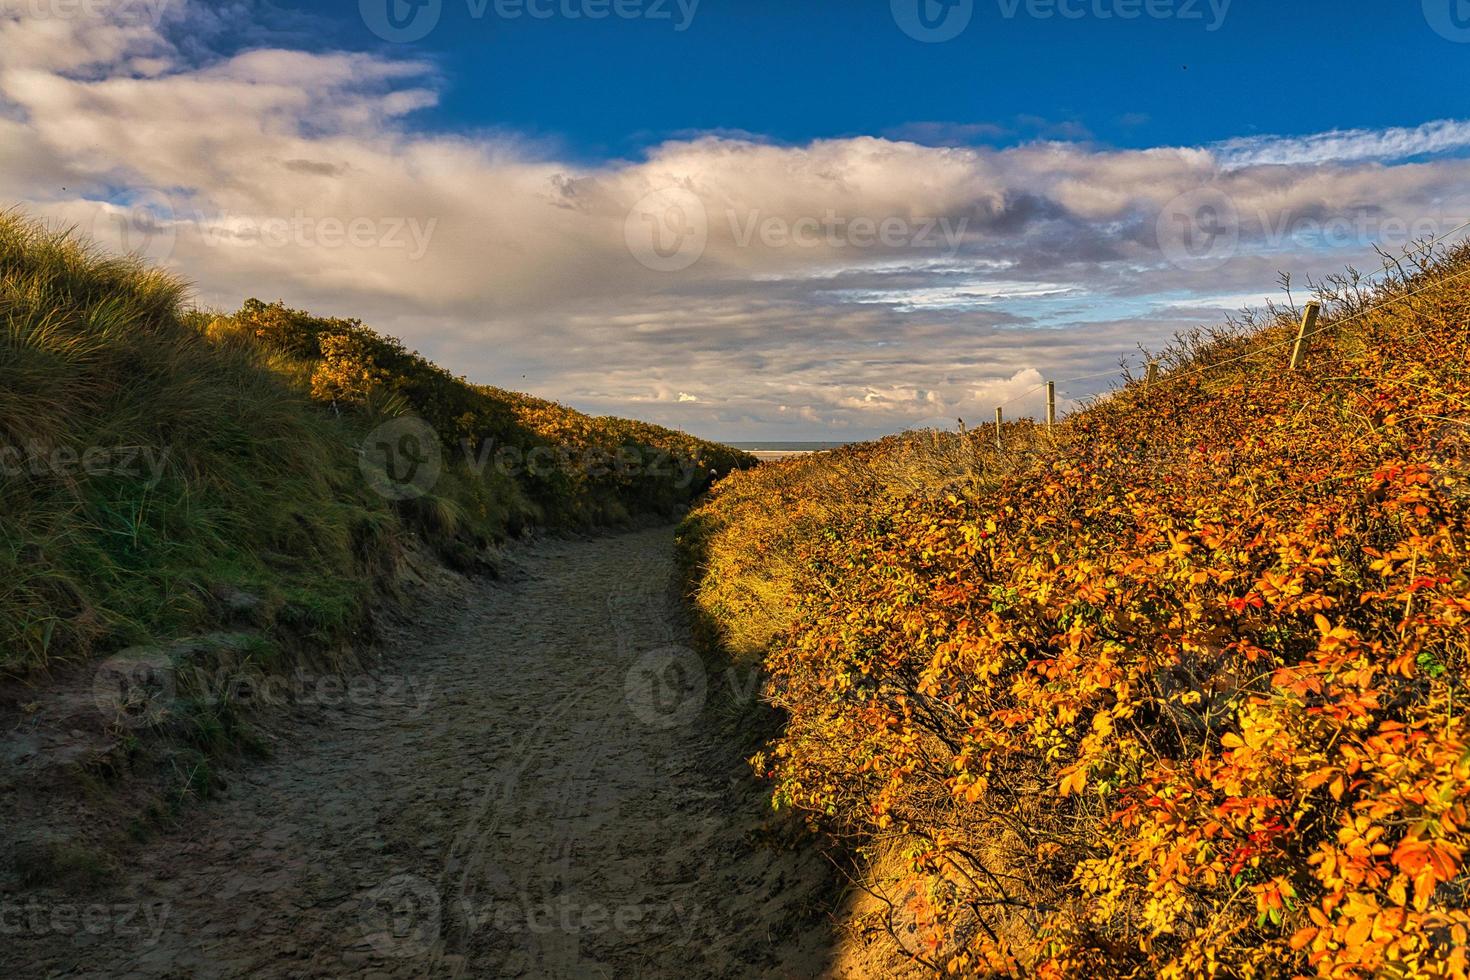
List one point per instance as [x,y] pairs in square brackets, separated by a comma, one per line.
[1074,781]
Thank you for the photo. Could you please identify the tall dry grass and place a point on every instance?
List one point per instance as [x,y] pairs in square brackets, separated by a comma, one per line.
[157,463]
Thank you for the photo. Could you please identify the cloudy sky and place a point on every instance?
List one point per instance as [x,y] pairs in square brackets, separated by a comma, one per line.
[748,220]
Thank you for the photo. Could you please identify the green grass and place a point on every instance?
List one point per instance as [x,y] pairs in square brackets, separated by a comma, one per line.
[148,468]
[157,459]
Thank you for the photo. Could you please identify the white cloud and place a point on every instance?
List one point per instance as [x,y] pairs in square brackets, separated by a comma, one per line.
[860,283]
[1344,145]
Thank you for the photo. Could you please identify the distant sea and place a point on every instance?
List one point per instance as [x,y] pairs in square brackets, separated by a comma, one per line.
[776,446]
[771,449]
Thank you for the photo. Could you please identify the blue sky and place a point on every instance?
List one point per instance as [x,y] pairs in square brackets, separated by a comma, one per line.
[748,220]
[804,69]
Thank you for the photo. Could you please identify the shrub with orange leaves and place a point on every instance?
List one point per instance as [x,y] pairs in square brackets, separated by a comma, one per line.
[1174,693]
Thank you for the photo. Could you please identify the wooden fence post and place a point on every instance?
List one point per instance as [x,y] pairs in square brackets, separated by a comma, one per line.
[1152,375]
[1051,405]
[1304,334]
[997,427]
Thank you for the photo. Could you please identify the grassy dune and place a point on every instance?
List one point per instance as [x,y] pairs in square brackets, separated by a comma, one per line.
[1176,690]
[165,471]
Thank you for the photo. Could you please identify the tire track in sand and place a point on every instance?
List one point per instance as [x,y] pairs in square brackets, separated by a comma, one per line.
[556,806]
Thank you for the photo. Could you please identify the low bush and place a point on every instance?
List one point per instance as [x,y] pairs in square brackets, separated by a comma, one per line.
[1173,691]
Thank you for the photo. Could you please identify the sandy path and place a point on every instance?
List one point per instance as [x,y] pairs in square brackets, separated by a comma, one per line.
[538,794]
